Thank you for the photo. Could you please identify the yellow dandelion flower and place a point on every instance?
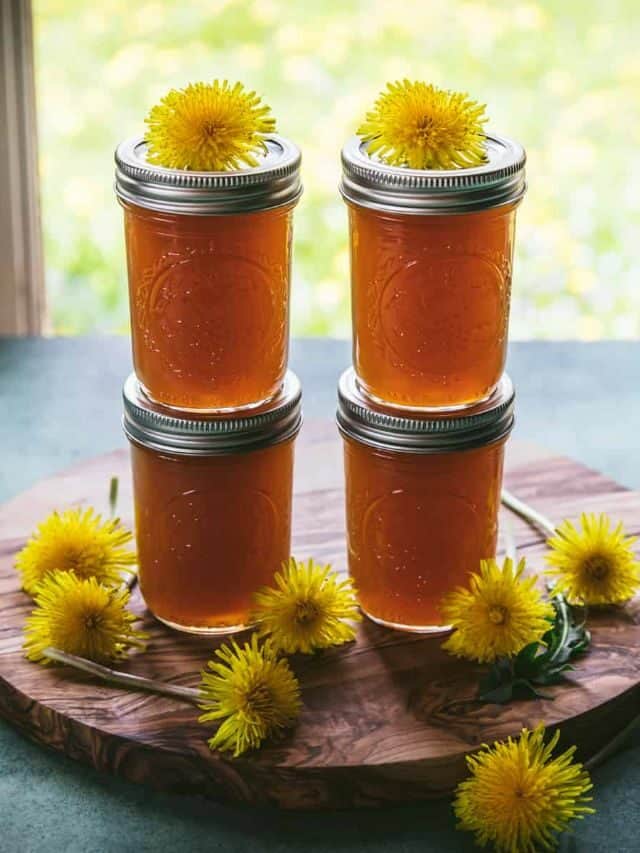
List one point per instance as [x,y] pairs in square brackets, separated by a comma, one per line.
[208,127]
[306,608]
[594,565]
[518,798]
[498,614]
[81,617]
[417,125]
[79,541]
[253,692]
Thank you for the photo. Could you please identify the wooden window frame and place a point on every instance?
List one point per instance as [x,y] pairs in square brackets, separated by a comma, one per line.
[22,293]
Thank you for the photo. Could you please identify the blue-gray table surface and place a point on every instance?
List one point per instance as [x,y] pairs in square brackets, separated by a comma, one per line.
[60,403]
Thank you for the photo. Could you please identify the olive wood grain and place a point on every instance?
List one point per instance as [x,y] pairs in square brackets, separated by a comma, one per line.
[387,718]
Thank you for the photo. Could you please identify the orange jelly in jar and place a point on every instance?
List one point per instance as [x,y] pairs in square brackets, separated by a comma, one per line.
[212,502]
[209,261]
[431,261]
[422,500]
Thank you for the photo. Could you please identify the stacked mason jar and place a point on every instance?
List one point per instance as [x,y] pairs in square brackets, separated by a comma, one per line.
[211,410]
[426,409]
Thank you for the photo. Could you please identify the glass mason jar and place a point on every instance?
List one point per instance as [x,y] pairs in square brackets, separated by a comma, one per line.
[422,500]
[431,260]
[212,502]
[209,260]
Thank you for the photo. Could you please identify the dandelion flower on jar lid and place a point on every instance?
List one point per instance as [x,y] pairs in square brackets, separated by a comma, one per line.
[417,125]
[81,617]
[208,127]
[79,541]
[518,798]
[306,609]
[498,614]
[594,564]
[252,691]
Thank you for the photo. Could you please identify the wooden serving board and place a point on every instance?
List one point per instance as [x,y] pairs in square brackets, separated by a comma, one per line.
[388,718]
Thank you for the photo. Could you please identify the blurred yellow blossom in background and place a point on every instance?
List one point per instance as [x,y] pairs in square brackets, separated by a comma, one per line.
[562,78]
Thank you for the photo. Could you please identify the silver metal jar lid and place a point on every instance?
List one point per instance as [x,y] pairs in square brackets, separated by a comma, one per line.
[164,430]
[465,429]
[273,183]
[368,182]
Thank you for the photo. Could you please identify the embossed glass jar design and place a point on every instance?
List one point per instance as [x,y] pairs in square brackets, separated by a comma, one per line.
[209,259]
[212,499]
[431,260]
[422,499]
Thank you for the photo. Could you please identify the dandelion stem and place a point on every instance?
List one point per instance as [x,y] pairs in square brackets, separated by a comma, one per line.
[564,620]
[613,745]
[124,679]
[113,495]
[132,581]
[114,487]
[509,541]
[527,512]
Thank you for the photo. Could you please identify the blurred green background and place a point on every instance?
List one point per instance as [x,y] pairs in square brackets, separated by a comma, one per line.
[561,77]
